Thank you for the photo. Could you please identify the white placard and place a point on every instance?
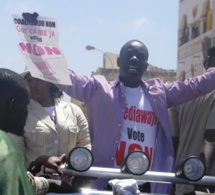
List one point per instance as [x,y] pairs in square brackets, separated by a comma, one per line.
[40,49]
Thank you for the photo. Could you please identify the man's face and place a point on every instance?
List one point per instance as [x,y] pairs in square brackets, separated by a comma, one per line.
[39,89]
[132,62]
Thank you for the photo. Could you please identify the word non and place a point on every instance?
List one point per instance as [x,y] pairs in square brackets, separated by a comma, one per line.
[39,50]
[120,153]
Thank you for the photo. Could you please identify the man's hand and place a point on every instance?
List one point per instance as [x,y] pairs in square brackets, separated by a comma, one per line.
[30,18]
[51,162]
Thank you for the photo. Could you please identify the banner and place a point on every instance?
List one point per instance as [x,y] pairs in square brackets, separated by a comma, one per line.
[39,47]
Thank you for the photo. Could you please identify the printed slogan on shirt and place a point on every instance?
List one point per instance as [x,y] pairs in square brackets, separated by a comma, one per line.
[135,139]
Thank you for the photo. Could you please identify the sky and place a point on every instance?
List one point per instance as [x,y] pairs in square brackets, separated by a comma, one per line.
[104,24]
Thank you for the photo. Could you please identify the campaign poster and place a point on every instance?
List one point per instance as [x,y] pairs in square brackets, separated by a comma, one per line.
[40,49]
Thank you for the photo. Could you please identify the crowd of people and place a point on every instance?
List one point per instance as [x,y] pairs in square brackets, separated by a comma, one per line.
[178,123]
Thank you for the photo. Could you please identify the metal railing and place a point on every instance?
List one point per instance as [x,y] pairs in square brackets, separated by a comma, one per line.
[151,176]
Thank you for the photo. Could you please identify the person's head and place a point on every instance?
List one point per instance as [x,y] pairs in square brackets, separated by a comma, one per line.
[42,91]
[14,98]
[132,62]
[209,62]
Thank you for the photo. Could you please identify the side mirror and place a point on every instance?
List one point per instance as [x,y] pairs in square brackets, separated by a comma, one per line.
[80,159]
[192,168]
[136,162]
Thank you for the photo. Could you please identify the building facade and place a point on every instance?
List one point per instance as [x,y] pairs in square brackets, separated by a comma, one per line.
[196,34]
[152,72]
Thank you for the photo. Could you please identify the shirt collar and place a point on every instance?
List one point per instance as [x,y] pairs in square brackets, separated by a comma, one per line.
[117,81]
[143,83]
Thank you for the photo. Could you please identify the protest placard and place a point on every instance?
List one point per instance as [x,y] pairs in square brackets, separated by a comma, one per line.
[39,47]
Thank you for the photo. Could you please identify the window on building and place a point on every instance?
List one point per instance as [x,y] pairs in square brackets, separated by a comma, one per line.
[184,31]
[195,30]
[207,16]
